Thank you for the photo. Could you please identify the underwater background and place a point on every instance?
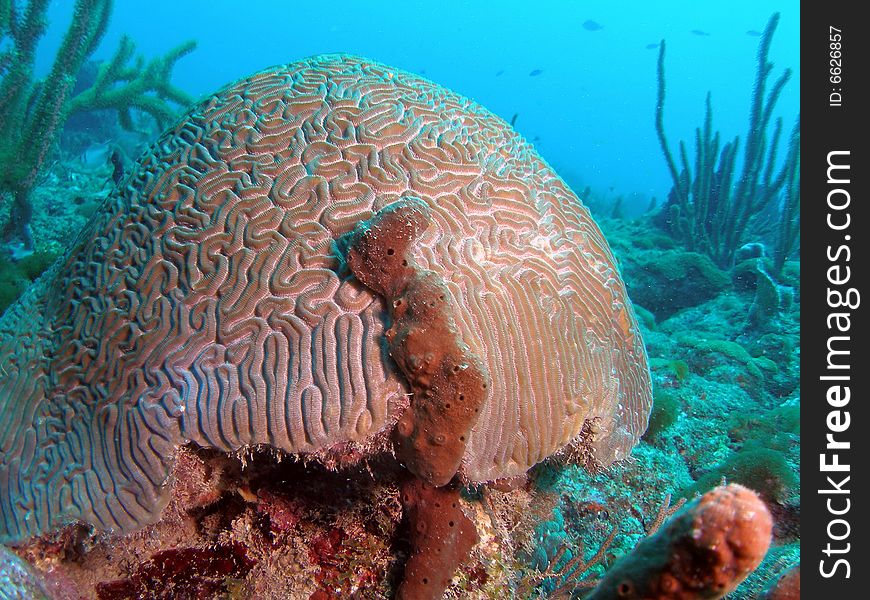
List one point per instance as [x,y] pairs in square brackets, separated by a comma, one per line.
[512,57]
[581,82]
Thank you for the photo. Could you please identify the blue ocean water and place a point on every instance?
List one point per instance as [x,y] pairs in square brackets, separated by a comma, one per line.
[589,106]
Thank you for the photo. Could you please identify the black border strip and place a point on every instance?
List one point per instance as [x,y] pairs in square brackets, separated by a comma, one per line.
[834,335]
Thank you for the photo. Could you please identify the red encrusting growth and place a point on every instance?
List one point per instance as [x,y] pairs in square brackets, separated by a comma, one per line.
[703,552]
[182,573]
[441,539]
[448,380]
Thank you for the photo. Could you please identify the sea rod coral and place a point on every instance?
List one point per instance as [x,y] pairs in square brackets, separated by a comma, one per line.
[715,208]
[32,113]
[216,301]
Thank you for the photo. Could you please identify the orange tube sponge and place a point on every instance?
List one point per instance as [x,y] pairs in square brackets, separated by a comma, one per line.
[703,552]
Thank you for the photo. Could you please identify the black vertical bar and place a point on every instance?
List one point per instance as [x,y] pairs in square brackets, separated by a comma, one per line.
[835,363]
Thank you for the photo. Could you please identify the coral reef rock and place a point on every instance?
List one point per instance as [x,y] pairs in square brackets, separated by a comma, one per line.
[207,302]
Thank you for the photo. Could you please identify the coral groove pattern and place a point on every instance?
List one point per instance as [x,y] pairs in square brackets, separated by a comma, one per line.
[206,302]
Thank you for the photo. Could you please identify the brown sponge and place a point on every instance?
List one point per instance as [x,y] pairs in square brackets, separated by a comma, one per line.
[441,539]
[448,380]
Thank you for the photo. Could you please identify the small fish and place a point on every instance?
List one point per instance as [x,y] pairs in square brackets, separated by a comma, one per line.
[591,25]
[537,138]
[652,46]
[699,32]
[753,33]
[535,72]
[500,73]
[95,156]
[514,119]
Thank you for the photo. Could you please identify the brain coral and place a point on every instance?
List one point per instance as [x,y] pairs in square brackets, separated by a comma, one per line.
[207,301]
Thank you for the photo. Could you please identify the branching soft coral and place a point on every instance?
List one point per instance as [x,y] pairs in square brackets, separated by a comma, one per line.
[123,86]
[713,206]
[33,112]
